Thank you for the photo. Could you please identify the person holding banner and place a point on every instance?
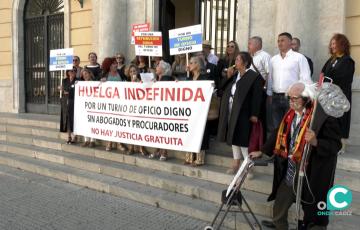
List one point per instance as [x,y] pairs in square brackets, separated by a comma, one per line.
[87,75]
[134,75]
[240,108]
[110,73]
[163,72]
[93,66]
[67,104]
[198,73]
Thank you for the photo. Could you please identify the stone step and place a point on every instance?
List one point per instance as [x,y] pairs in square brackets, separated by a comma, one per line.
[219,153]
[354,140]
[207,172]
[219,159]
[196,188]
[38,120]
[355,130]
[261,183]
[142,193]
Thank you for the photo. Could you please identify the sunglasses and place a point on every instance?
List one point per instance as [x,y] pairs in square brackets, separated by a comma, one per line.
[75,59]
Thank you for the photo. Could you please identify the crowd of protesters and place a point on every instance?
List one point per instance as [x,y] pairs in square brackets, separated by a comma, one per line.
[250,88]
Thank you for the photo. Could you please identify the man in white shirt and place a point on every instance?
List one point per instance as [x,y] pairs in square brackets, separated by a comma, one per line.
[286,68]
[210,57]
[261,60]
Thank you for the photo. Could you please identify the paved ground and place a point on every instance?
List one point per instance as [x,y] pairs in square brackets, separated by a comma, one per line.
[30,201]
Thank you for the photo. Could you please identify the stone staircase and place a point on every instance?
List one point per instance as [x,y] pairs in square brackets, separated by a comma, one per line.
[32,143]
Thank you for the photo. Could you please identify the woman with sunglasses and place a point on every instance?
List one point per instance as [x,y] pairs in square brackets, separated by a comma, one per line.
[241,104]
[227,60]
[76,63]
[120,59]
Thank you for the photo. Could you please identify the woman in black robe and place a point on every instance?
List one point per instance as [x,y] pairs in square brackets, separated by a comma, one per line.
[240,107]
[340,68]
[67,105]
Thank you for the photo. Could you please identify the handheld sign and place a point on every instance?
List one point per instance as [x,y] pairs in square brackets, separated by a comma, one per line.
[148,44]
[185,40]
[145,27]
[61,59]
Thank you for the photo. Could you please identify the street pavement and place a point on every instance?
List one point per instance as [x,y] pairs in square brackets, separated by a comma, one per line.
[30,201]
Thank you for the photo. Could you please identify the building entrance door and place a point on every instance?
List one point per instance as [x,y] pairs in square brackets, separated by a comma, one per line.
[44,31]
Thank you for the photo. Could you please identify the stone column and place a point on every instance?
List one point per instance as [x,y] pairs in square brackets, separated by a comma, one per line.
[112,27]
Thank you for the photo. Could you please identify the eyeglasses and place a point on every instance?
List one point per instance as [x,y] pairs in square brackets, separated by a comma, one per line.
[75,59]
[119,58]
[293,98]
[230,46]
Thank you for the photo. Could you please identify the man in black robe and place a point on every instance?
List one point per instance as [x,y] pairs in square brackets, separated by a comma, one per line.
[287,145]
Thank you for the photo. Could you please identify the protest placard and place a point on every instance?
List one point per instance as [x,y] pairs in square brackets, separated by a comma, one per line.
[61,59]
[148,44]
[144,27]
[185,40]
[169,115]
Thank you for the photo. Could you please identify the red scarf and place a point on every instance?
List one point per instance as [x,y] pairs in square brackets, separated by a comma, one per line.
[281,146]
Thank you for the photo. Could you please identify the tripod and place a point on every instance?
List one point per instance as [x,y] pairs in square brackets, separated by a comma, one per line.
[235,199]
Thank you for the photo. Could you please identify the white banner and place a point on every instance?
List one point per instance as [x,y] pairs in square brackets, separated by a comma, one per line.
[61,59]
[148,44]
[169,115]
[185,40]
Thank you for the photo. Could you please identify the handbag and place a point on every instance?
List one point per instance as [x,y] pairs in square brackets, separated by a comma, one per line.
[214,108]
[256,140]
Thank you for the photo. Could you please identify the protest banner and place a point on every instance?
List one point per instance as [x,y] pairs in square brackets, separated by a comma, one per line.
[185,40]
[61,59]
[148,44]
[145,27]
[169,115]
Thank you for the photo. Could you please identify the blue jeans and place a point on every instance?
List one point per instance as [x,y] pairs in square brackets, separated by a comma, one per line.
[279,106]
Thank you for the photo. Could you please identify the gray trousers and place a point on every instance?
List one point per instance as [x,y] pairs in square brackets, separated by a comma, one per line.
[283,201]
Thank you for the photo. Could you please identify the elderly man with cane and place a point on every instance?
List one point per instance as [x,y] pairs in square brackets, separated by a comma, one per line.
[287,146]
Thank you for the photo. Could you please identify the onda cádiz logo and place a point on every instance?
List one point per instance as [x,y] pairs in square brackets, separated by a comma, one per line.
[338,202]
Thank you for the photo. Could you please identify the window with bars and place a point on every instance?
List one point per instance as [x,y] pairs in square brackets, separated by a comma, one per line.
[219,21]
